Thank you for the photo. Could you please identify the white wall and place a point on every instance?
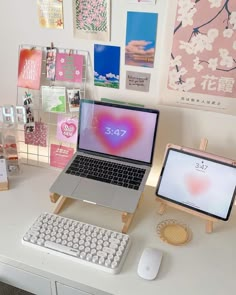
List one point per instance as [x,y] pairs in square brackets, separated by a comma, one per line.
[19,25]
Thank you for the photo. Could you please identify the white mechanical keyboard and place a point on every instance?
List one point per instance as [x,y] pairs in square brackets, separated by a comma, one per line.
[82,242]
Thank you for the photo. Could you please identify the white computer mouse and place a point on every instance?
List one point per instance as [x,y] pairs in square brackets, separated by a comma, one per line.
[149,263]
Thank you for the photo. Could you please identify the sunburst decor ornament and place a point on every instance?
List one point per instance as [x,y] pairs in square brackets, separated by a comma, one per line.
[173,232]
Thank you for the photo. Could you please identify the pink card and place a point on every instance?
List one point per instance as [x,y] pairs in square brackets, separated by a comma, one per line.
[60,155]
[69,67]
[29,70]
[38,136]
[67,129]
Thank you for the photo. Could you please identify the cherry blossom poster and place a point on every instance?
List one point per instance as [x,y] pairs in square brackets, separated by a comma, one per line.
[203,54]
[92,19]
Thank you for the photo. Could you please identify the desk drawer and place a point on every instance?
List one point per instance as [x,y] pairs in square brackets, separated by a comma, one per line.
[24,280]
[66,290]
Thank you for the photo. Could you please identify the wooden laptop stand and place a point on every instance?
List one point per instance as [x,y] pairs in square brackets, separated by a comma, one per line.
[126,217]
[209,220]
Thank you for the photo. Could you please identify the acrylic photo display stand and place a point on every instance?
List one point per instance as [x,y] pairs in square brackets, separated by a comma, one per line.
[38,153]
[126,217]
[208,220]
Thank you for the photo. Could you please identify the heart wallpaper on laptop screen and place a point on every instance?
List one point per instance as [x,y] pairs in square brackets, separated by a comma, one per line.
[117,134]
[117,131]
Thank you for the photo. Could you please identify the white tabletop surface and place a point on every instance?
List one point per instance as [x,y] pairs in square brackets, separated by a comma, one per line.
[206,265]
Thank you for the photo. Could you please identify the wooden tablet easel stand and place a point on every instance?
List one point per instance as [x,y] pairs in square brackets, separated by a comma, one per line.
[209,220]
[126,217]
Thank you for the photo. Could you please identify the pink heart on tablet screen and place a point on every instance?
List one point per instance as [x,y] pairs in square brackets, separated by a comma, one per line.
[117,134]
[197,185]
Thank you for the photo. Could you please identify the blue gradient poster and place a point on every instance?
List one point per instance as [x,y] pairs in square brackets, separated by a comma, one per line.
[107,66]
[140,44]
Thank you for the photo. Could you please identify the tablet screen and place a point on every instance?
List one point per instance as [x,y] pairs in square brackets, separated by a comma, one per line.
[198,182]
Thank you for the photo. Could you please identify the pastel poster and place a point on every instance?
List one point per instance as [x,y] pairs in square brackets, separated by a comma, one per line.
[29,70]
[107,66]
[69,67]
[141,33]
[203,54]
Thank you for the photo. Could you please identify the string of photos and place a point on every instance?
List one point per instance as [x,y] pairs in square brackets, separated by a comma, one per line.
[43,125]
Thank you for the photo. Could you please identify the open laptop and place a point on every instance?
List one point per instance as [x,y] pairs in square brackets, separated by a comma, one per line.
[198,180]
[121,136]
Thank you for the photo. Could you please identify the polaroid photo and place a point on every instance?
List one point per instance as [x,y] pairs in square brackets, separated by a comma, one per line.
[73,96]
[51,63]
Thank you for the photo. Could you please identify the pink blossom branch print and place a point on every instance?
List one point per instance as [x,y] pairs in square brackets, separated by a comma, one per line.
[203,57]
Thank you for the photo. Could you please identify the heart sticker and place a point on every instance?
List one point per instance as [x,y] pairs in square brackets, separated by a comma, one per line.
[197,185]
[116,134]
[68,129]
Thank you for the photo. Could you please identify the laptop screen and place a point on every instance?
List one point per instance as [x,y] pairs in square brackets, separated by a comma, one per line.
[198,182]
[117,130]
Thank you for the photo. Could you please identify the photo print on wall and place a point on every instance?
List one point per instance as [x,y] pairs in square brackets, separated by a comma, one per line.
[107,66]
[92,19]
[203,54]
[50,14]
[140,43]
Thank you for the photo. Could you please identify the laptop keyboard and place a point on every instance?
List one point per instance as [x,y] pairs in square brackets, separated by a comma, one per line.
[105,171]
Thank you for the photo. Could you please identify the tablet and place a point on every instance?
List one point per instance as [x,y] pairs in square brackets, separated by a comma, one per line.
[198,180]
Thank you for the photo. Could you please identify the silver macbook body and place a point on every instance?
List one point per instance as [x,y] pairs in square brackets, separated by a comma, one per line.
[122,137]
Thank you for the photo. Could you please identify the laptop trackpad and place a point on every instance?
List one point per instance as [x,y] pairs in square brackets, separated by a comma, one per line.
[94,191]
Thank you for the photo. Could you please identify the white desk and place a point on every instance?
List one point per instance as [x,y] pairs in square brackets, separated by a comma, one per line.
[205,266]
